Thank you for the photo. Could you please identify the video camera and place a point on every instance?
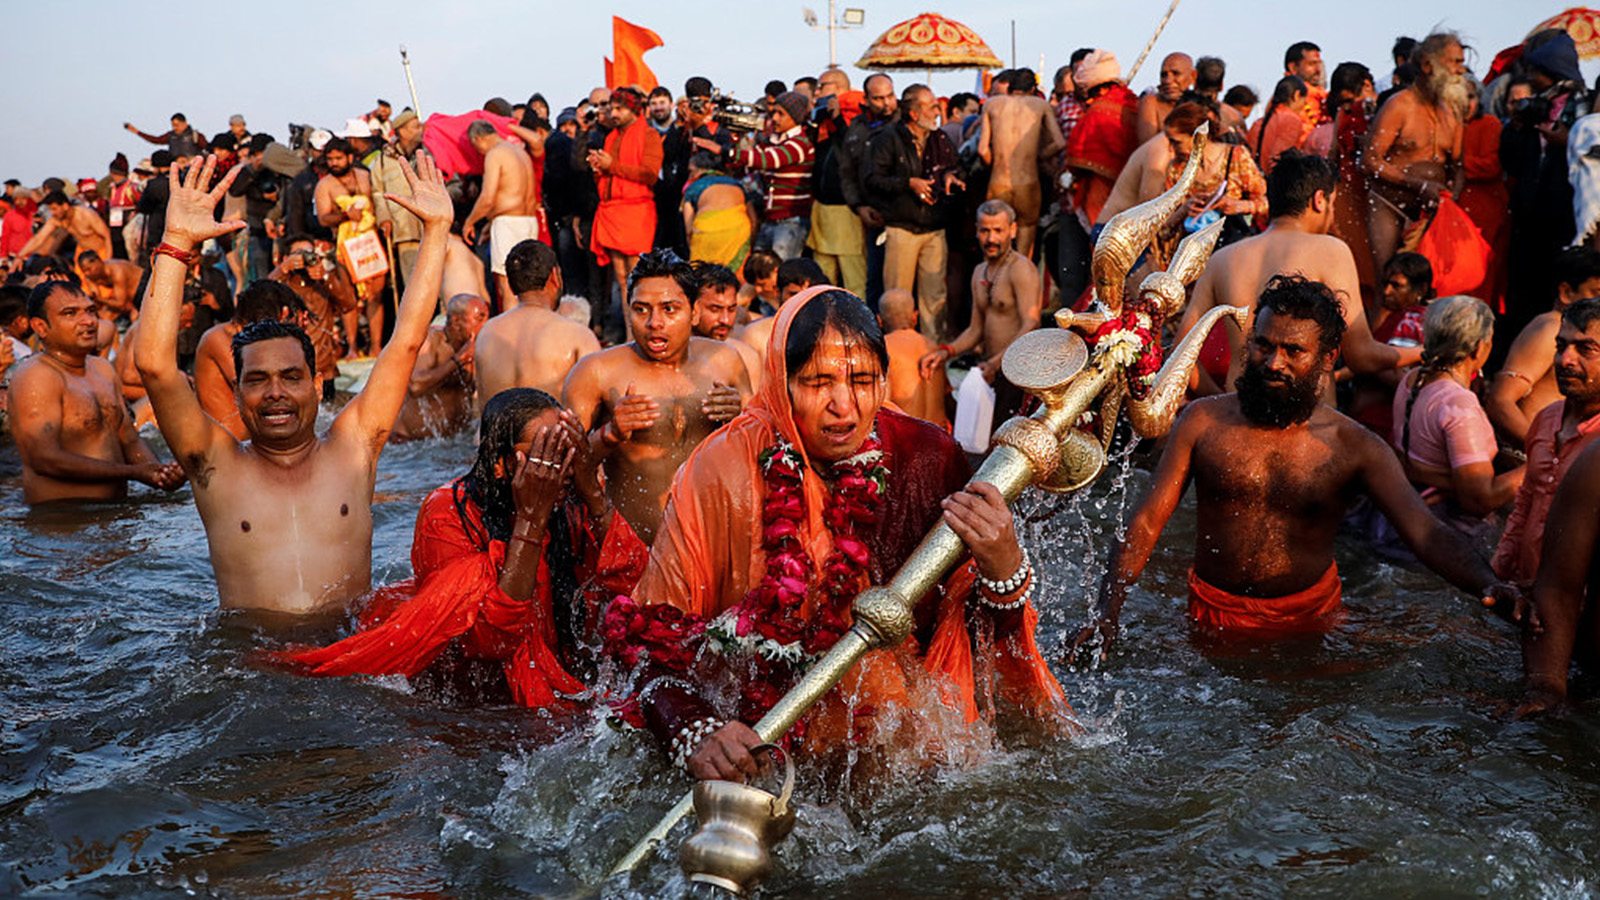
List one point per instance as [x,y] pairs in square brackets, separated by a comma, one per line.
[300,137]
[732,114]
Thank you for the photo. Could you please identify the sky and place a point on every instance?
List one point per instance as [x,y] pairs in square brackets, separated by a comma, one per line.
[79,69]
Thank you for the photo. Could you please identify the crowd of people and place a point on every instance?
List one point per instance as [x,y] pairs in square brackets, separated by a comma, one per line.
[709,350]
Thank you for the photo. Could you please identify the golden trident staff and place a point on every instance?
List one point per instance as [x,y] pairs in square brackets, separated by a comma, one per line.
[1046,449]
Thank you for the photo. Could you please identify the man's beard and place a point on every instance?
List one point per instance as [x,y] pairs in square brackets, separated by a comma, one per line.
[661,117]
[1446,89]
[339,171]
[1277,402]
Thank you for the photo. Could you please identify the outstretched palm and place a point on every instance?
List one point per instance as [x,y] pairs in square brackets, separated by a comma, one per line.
[191,210]
[429,201]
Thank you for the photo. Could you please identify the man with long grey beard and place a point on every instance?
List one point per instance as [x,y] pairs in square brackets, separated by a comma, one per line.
[1414,148]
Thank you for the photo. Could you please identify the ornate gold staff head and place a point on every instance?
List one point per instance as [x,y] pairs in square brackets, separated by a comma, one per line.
[1164,291]
[1129,232]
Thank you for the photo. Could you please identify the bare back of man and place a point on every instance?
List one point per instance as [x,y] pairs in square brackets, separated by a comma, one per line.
[508,206]
[89,231]
[1128,190]
[463,271]
[1020,132]
[639,473]
[914,394]
[530,346]
[113,283]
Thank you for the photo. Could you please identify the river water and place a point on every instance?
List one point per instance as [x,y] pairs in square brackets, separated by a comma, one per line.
[143,754]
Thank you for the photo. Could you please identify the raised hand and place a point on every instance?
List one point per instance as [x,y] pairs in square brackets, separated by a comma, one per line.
[429,201]
[722,402]
[541,472]
[632,413]
[191,210]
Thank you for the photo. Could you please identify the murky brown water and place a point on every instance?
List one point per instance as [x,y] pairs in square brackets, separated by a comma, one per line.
[142,756]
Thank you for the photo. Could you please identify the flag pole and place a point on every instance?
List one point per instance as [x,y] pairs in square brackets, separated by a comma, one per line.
[1160,27]
[405,62]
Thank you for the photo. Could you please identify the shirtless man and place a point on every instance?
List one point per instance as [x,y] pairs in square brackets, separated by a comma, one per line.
[288,514]
[530,344]
[111,283]
[509,202]
[439,401]
[648,402]
[1177,76]
[1526,383]
[463,271]
[1274,472]
[346,179]
[85,226]
[72,428]
[1006,303]
[1020,134]
[716,311]
[916,391]
[1413,150]
[214,378]
[1300,195]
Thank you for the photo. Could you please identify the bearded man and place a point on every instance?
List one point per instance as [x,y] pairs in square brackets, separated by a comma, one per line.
[1414,148]
[1274,472]
[844,489]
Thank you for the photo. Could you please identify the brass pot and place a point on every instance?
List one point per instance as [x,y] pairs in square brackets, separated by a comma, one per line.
[738,826]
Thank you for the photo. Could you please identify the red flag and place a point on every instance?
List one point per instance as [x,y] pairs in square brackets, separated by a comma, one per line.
[628,45]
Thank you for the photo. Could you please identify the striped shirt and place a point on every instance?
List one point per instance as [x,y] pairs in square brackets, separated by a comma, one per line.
[788,161]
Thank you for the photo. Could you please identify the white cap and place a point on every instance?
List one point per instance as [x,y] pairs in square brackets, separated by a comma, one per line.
[320,139]
[355,128]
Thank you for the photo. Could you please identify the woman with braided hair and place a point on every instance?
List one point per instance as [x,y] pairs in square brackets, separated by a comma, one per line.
[503,558]
[1444,436]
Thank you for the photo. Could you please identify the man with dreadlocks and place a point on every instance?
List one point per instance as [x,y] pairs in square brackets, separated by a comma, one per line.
[1274,470]
[497,559]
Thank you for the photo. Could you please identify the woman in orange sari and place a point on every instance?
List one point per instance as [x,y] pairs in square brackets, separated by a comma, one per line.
[776,521]
[504,558]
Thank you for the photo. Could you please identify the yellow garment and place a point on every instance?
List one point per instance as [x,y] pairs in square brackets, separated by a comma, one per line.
[836,231]
[721,236]
[349,229]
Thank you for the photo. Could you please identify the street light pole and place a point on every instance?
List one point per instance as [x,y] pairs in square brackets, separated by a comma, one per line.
[833,26]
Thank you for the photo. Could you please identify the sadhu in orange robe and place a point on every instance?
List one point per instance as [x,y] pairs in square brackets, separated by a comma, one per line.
[452,613]
[709,554]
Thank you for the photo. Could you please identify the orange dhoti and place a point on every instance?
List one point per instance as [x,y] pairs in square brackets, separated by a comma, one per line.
[1318,608]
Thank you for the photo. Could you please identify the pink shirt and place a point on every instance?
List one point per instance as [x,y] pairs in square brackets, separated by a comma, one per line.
[1449,428]
[1517,557]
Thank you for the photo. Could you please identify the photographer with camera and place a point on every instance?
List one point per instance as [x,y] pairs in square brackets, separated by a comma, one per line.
[327,294]
[787,159]
[696,119]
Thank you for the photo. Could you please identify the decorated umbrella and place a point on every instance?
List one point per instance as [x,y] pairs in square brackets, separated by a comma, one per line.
[1582,24]
[929,41]
[445,137]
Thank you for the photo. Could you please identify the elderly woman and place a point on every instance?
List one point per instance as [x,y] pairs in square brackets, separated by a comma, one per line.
[1442,432]
[499,554]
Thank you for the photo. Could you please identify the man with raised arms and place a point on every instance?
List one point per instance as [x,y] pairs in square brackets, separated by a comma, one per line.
[288,513]
[1274,471]
[647,403]
[530,344]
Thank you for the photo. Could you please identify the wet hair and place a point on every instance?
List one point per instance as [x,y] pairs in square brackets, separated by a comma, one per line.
[1188,115]
[710,275]
[54,197]
[529,266]
[480,128]
[1023,81]
[1297,51]
[1301,298]
[1575,265]
[40,295]
[802,271]
[661,263]
[265,300]
[338,145]
[1209,72]
[1416,270]
[1241,95]
[1452,330]
[1581,314]
[842,311]
[267,330]
[1295,180]
[996,207]
[759,265]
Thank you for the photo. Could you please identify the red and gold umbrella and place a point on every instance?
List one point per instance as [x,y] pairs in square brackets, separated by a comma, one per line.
[929,41]
[1582,24]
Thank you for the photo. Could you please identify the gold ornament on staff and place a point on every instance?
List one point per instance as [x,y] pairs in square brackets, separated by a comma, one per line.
[1046,449]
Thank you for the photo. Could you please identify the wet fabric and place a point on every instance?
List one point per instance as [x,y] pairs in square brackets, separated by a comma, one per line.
[1319,607]
[1455,249]
[1516,558]
[454,598]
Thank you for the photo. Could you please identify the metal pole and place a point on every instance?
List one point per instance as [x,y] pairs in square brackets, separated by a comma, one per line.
[1160,27]
[1013,43]
[405,62]
[833,24]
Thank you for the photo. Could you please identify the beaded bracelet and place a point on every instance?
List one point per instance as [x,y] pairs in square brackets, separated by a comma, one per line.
[690,738]
[1021,600]
[1011,584]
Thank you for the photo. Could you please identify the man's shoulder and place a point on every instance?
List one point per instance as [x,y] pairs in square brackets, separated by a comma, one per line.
[715,353]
